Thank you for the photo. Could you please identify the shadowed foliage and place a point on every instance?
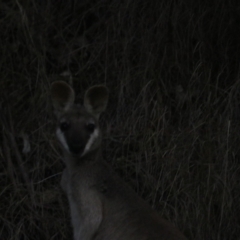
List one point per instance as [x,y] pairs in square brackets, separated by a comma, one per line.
[171,126]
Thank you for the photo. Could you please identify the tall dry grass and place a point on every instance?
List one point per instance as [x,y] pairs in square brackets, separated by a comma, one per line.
[172,124]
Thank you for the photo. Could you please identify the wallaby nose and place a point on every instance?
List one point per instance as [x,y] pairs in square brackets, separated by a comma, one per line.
[76,148]
[76,141]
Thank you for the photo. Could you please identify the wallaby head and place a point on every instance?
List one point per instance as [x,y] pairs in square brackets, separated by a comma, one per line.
[78,129]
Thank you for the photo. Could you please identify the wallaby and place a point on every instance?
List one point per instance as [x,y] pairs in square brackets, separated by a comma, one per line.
[102,206]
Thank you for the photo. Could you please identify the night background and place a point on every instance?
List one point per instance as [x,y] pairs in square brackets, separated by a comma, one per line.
[171,128]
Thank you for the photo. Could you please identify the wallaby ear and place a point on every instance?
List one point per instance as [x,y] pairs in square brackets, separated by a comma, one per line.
[96,99]
[63,95]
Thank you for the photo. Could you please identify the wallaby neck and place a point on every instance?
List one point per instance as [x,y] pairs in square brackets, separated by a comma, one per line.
[73,161]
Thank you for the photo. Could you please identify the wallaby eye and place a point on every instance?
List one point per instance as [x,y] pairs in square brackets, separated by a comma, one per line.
[90,127]
[64,126]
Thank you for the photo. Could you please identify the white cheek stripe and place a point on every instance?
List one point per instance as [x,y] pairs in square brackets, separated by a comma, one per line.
[90,142]
[61,138]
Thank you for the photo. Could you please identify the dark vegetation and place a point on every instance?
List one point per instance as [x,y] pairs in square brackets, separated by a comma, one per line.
[172,125]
